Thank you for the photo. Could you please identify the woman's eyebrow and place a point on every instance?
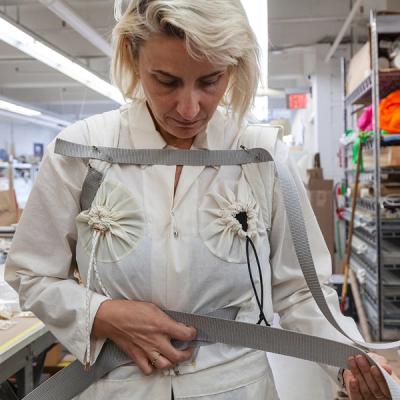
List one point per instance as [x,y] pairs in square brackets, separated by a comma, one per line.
[213,74]
[159,71]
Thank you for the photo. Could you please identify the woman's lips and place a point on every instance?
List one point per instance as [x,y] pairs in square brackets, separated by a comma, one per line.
[185,124]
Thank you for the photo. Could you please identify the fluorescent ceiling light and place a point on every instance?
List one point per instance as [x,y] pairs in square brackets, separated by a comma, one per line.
[14,108]
[271,93]
[26,42]
[19,111]
[257,13]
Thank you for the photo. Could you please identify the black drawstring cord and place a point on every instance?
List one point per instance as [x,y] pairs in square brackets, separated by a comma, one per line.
[242,219]
[260,302]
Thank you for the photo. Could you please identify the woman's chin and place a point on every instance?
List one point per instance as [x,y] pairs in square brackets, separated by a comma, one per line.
[185,132]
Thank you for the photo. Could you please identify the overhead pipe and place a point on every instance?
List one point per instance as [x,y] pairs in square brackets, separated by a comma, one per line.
[343,30]
[66,13]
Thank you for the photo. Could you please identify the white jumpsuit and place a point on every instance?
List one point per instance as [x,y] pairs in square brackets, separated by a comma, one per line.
[181,252]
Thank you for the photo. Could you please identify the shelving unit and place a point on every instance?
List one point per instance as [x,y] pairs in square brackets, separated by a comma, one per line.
[376,246]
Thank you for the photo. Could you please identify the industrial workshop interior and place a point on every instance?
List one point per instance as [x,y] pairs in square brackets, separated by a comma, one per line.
[199,199]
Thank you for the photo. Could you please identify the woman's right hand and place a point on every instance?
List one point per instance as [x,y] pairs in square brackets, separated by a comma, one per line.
[144,332]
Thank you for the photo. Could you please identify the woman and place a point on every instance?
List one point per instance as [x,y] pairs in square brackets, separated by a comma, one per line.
[160,236]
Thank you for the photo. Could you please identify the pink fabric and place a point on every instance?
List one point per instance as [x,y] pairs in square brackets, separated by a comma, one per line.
[365,122]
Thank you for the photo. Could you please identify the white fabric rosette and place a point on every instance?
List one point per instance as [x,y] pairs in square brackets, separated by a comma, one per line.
[119,219]
[220,228]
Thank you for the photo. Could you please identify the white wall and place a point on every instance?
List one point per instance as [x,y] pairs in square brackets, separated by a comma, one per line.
[23,135]
[327,91]
[324,129]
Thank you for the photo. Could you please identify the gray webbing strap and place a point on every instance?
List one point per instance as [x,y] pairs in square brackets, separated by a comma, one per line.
[91,185]
[229,334]
[74,379]
[161,157]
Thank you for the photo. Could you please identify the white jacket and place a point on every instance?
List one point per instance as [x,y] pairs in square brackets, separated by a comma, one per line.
[181,252]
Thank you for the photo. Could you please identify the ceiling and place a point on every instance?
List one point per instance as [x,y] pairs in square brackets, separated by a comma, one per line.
[292,24]
[27,80]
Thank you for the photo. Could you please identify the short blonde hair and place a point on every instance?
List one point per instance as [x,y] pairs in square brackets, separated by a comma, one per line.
[216,30]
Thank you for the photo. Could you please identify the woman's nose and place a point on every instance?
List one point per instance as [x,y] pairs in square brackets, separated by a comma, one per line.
[188,106]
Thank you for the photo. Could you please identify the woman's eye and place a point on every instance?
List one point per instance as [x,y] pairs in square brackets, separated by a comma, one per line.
[168,83]
[210,82]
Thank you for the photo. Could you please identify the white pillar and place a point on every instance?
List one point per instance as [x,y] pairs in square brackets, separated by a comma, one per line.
[328,121]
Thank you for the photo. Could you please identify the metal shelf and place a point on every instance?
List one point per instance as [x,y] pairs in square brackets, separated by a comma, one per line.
[367,203]
[388,24]
[372,313]
[376,255]
[391,254]
[365,256]
[365,236]
[392,278]
[361,221]
[361,94]
[361,266]
[389,81]
[368,175]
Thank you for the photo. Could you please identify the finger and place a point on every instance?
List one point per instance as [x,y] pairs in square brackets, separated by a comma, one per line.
[174,355]
[361,384]
[159,361]
[382,361]
[140,359]
[387,368]
[354,390]
[369,379]
[380,381]
[179,331]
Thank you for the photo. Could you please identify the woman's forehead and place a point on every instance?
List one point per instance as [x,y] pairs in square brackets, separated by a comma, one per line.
[169,54]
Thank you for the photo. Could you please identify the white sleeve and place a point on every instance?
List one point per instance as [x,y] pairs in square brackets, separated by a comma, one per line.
[292,299]
[41,261]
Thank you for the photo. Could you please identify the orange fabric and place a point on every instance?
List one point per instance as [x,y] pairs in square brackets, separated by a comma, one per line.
[390,113]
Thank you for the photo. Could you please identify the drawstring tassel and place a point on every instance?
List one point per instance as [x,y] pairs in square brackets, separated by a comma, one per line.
[259,299]
[242,218]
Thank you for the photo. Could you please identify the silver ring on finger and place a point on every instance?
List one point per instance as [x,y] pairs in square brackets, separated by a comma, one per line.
[154,360]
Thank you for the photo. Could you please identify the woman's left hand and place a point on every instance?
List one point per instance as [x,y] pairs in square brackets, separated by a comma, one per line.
[366,382]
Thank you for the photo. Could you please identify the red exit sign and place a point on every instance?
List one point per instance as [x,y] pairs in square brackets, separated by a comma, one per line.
[297,101]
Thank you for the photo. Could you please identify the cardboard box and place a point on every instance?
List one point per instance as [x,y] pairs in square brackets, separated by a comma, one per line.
[388,189]
[359,68]
[320,193]
[389,157]
[8,208]
[315,173]
[53,357]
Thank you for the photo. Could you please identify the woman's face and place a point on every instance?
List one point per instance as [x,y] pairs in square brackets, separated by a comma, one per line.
[182,93]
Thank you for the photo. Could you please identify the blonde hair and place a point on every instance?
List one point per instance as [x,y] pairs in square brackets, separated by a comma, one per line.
[216,30]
